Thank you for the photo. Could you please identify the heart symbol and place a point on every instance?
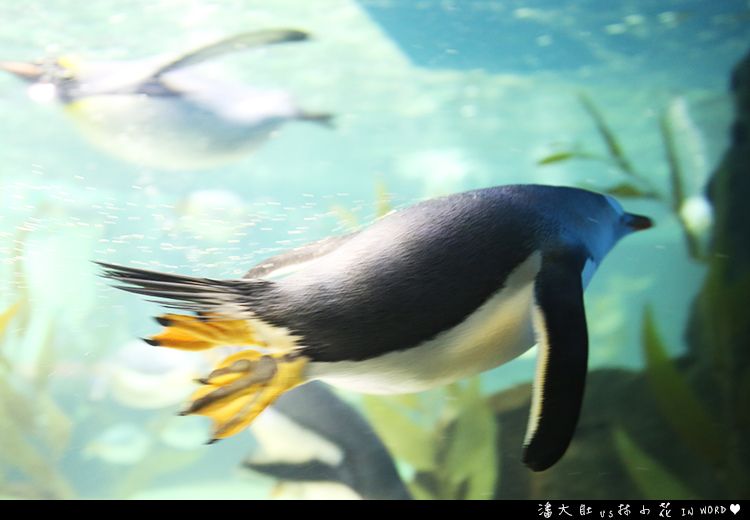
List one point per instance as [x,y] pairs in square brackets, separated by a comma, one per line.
[734,508]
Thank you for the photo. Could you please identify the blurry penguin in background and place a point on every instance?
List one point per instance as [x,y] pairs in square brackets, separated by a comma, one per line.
[159,112]
[313,438]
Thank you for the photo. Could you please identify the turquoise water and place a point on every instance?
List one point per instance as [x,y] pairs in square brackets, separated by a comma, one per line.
[428,98]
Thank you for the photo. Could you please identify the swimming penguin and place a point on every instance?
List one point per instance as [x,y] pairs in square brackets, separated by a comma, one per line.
[150,381]
[431,294]
[311,435]
[158,112]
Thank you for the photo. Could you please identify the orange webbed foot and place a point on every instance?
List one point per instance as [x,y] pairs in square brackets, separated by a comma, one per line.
[202,332]
[242,386]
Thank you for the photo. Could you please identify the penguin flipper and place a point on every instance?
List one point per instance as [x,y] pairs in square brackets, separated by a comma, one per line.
[309,471]
[562,358]
[235,43]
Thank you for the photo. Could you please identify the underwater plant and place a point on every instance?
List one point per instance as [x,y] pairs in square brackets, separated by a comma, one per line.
[35,430]
[707,402]
[637,185]
[446,437]
[51,353]
[703,396]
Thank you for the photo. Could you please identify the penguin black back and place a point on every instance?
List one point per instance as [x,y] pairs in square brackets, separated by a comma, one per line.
[457,250]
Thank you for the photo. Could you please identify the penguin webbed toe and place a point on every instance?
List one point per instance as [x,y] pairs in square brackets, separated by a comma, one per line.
[242,386]
[202,332]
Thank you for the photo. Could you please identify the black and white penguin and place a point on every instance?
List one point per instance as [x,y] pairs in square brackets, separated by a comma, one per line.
[159,111]
[310,436]
[431,294]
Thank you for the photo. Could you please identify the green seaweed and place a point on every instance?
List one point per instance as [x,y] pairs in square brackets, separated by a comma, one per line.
[158,461]
[451,447]
[407,440]
[35,430]
[5,318]
[382,204]
[717,366]
[557,157]
[613,145]
[678,196]
[704,395]
[38,331]
[679,403]
[8,314]
[652,479]
[639,185]
[742,409]
[629,190]
[718,436]
[468,474]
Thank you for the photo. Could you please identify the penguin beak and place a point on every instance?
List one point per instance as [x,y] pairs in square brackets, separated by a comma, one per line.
[26,71]
[638,222]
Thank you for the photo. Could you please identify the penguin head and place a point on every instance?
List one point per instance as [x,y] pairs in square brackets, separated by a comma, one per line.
[596,221]
[69,77]
[51,78]
[627,222]
[603,223]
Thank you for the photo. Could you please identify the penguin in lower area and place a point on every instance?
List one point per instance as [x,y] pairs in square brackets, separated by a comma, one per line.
[310,435]
[160,112]
[431,294]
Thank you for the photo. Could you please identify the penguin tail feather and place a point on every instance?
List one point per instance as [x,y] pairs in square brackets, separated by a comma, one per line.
[246,382]
[204,296]
[223,308]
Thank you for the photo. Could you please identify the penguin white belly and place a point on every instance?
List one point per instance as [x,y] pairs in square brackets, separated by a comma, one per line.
[497,332]
[165,132]
[281,440]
